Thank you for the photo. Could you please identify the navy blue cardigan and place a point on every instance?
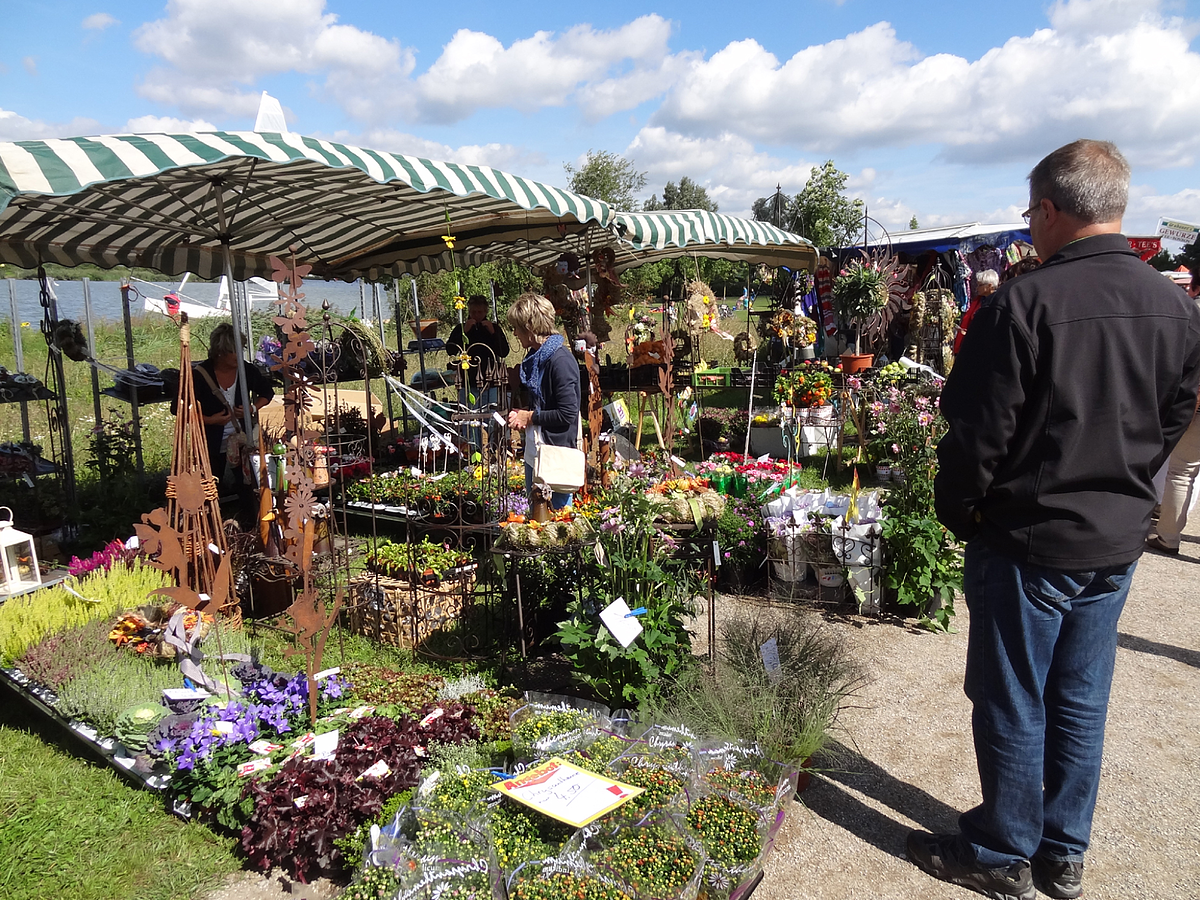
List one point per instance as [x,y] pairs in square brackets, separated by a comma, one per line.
[559,415]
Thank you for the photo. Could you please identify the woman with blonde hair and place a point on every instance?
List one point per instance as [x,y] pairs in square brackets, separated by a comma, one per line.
[551,376]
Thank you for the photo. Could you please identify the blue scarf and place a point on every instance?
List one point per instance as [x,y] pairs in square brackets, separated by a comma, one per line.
[533,365]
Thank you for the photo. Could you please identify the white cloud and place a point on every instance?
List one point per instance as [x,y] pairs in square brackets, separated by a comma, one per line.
[214,50]
[168,124]
[14,127]
[1106,68]
[1147,206]
[30,64]
[509,157]
[99,21]
[476,70]
[728,167]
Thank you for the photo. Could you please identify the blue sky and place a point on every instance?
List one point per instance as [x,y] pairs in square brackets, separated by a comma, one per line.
[934,109]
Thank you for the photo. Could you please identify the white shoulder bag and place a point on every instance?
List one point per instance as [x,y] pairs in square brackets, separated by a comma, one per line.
[562,469]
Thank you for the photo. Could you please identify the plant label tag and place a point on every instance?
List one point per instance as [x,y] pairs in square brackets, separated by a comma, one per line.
[224,727]
[300,801]
[359,711]
[769,652]
[304,742]
[255,765]
[717,554]
[624,627]
[432,717]
[336,670]
[600,556]
[324,745]
[499,419]
[679,462]
[264,746]
[378,770]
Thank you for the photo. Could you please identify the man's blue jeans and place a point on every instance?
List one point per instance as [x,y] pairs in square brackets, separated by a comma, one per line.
[1040,657]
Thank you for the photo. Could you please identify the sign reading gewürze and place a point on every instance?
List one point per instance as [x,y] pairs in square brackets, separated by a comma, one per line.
[1183,232]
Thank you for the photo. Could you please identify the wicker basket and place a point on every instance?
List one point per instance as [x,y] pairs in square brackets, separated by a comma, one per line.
[405,613]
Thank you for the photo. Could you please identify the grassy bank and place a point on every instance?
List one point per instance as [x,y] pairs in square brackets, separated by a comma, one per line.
[71,829]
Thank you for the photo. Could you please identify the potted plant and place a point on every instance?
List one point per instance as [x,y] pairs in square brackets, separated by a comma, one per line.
[860,292]
[789,713]
[808,386]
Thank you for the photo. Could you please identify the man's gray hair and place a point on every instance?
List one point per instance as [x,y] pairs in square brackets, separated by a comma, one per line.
[1085,179]
[987,276]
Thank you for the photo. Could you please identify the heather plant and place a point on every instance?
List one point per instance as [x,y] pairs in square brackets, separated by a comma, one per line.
[100,694]
[61,657]
[27,619]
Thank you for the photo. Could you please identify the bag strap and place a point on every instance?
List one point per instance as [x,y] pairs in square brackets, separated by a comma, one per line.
[219,394]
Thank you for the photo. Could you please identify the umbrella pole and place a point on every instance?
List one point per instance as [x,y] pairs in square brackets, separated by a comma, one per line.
[237,329]
[420,337]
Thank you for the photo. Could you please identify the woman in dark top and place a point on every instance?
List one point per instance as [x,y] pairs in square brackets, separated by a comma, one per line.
[551,375]
[220,396]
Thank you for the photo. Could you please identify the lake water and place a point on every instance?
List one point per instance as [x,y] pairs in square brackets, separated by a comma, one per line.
[106,298]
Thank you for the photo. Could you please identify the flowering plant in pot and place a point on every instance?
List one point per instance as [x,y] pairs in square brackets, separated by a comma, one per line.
[860,292]
[805,386]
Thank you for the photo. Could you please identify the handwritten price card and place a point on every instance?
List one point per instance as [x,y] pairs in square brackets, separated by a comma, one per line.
[566,792]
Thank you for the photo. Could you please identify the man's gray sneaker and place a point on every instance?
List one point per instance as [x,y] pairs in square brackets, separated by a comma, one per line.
[1061,879]
[950,858]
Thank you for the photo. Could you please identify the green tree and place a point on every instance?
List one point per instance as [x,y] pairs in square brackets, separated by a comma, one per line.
[821,211]
[912,224]
[609,177]
[685,195]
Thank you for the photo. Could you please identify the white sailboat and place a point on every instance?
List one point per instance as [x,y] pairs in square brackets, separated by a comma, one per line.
[171,303]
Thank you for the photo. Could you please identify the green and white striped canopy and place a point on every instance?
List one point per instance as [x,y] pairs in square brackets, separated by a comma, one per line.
[640,238]
[172,202]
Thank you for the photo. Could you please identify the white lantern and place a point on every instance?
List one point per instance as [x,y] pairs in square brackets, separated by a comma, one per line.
[18,556]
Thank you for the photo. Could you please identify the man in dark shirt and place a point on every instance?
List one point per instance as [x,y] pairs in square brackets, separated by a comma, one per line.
[1072,386]
[485,343]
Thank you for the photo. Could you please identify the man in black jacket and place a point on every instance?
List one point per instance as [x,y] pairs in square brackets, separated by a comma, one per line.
[1072,386]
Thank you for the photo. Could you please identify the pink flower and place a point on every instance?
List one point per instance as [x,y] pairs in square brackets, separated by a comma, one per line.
[896,448]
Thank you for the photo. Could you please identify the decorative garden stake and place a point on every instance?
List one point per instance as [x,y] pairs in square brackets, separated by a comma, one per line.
[310,620]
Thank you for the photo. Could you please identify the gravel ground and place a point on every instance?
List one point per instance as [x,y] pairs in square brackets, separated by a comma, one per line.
[909,760]
[905,760]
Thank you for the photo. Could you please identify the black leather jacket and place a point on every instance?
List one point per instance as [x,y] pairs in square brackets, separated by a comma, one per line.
[1072,386]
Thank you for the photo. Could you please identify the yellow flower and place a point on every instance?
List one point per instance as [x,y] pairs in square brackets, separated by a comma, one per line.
[464,360]
[460,302]
[631,313]
[449,239]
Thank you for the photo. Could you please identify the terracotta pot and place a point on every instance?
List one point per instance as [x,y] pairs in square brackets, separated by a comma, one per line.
[428,329]
[856,362]
[804,776]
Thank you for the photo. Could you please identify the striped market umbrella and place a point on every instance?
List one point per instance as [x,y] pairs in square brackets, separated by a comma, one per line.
[218,203]
[640,238]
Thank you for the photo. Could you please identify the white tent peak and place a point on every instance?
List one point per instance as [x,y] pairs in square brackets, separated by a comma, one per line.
[270,115]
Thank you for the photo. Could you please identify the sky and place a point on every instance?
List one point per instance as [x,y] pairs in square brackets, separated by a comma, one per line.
[934,109]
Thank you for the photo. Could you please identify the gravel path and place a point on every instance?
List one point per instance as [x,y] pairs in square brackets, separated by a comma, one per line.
[909,760]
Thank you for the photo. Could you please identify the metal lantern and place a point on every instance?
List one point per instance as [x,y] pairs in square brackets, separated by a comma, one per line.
[18,555]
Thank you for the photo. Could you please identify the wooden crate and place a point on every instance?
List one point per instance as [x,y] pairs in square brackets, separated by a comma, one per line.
[405,613]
